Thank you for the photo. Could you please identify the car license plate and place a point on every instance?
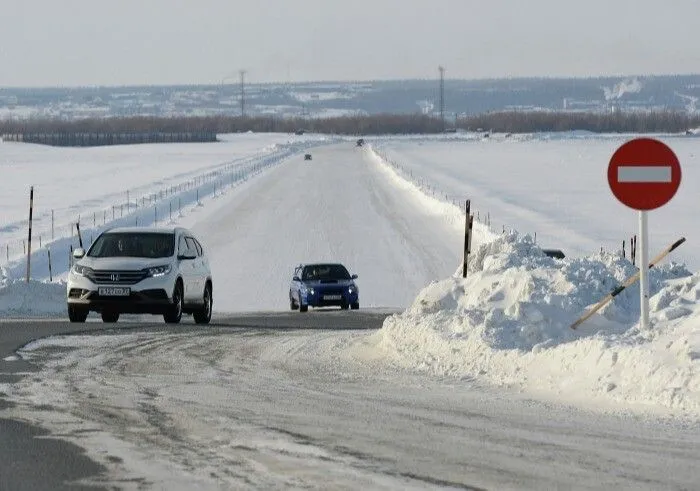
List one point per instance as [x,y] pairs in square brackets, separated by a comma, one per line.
[332,297]
[112,291]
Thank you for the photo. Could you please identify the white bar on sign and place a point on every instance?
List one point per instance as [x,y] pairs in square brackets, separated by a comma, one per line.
[639,173]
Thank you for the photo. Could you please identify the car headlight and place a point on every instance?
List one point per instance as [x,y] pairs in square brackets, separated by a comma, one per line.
[159,271]
[82,270]
[352,289]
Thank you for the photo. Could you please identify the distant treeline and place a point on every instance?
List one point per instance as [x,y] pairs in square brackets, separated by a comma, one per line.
[344,125]
[379,124]
[614,122]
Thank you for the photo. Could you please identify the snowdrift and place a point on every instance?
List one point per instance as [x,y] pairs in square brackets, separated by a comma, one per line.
[508,323]
[34,299]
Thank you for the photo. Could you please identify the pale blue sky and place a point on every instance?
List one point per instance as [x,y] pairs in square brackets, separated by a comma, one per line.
[117,42]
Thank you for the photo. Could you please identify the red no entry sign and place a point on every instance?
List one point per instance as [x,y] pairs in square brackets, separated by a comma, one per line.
[644,174]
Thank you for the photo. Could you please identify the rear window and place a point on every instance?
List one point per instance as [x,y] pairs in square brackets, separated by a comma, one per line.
[135,244]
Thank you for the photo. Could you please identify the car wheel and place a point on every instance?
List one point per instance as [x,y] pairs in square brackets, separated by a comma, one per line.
[203,316]
[344,306]
[174,313]
[76,314]
[303,308]
[292,304]
[355,306]
[110,316]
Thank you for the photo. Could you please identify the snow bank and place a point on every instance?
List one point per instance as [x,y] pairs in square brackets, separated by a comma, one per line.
[508,323]
[34,299]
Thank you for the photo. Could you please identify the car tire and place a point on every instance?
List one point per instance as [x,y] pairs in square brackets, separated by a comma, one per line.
[303,308]
[292,304]
[344,306]
[355,306]
[76,314]
[110,317]
[174,313]
[203,316]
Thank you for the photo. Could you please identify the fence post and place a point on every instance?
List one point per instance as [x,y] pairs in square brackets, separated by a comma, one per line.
[155,214]
[48,251]
[467,238]
[29,239]
[80,237]
[171,211]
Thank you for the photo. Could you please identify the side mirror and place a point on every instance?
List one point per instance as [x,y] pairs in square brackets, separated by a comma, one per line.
[186,256]
[354,277]
[296,278]
[78,253]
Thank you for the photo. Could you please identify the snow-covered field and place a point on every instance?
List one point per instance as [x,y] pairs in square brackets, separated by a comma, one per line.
[508,322]
[97,185]
[554,185]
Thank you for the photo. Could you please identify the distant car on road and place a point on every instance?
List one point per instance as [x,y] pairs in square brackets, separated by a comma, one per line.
[323,285]
[146,270]
[360,142]
[307,156]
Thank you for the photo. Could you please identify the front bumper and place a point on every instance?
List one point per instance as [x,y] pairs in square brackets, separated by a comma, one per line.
[322,298]
[148,296]
[141,302]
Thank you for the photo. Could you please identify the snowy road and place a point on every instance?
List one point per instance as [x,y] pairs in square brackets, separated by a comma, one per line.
[341,206]
[274,407]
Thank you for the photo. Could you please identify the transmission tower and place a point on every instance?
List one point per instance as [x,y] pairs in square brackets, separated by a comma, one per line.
[243,93]
[442,97]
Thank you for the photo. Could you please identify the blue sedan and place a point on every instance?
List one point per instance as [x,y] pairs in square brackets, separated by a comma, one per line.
[323,285]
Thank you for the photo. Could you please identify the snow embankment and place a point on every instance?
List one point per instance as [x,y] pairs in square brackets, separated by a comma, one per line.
[33,299]
[509,323]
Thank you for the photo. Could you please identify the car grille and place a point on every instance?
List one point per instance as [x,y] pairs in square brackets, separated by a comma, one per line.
[116,277]
[324,290]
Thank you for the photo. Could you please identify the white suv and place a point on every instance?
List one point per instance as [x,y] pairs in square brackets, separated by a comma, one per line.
[141,270]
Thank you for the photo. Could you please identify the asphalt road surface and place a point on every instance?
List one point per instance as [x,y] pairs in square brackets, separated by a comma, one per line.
[261,402]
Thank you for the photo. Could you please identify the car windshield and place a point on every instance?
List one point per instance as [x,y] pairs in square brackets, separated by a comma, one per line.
[133,244]
[325,272]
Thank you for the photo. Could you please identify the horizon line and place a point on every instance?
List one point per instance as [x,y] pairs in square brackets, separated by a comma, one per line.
[350,81]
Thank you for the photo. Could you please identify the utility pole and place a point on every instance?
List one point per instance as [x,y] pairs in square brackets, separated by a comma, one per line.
[243,93]
[442,97]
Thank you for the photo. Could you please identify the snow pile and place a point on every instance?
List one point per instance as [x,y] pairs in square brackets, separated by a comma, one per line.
[508,322]
[34,299]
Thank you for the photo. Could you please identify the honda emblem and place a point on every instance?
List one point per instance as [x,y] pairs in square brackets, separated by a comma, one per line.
[114,277]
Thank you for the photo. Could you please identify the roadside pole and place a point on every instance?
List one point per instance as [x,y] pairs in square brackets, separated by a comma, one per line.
[29,239]
[467,238]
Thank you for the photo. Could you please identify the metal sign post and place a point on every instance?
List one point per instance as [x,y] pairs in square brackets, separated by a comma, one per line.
[644,270]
